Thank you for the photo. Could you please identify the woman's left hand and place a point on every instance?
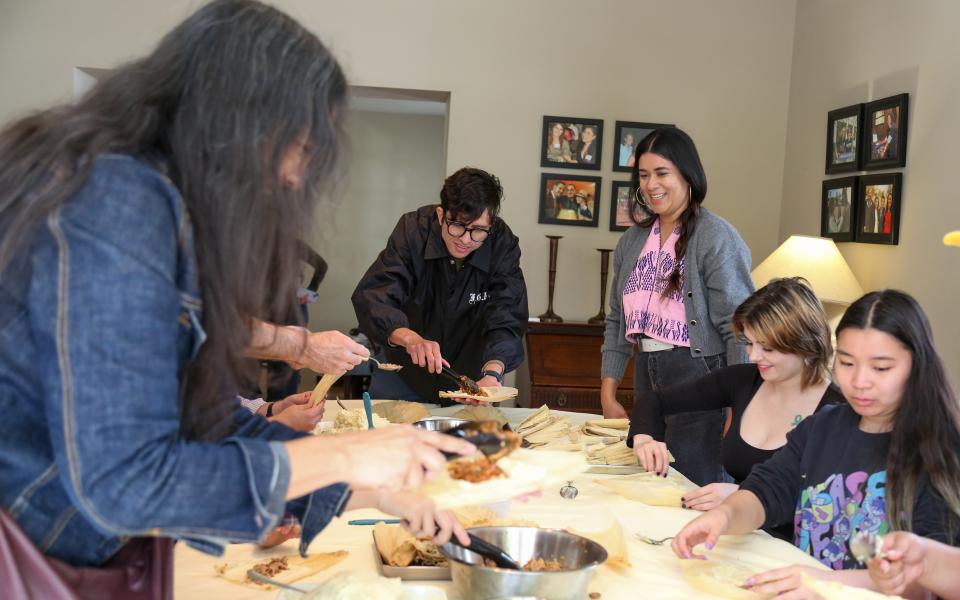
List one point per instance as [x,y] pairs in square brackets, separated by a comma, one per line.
[421,517]
[784,583]
[709,496]
[280,534]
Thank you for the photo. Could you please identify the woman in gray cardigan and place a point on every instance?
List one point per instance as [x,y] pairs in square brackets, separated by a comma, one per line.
[673,296]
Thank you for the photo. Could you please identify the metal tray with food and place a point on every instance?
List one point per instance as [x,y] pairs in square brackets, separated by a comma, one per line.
[412,572]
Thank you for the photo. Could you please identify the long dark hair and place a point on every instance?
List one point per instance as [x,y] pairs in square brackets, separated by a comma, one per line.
[217,105]
[673,144]
[926,433]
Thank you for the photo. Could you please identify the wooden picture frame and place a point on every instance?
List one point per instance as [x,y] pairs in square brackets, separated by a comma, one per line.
[569,200]
[566,143]
[879,204]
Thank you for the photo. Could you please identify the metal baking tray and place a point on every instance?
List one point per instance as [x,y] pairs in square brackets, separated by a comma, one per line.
[411,573]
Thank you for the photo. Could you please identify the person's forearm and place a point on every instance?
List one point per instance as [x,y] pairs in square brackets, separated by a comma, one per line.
[403,336]
[608,390]
[276,342]
[940,571]
[744,512]
[363,499]
[307,473]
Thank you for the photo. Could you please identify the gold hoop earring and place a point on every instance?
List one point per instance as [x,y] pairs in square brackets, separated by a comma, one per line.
[641,201]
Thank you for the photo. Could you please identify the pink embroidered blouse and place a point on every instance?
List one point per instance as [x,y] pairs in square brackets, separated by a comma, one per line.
[647,312]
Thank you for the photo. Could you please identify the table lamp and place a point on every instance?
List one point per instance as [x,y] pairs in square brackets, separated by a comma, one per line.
[818,260]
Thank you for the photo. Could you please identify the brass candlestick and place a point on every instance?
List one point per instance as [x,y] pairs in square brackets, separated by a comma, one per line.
[604,267]
[550,316]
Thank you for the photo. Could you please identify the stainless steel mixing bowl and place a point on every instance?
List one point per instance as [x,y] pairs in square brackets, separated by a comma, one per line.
[578,557]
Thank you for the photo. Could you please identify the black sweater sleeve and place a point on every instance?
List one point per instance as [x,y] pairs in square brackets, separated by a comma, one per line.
[714,390]
[380,295]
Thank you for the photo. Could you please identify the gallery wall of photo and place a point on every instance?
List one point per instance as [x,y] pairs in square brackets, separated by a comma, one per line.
[864,137]
[574,199]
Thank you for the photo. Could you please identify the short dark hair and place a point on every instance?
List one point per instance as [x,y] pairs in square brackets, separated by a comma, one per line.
[470,191]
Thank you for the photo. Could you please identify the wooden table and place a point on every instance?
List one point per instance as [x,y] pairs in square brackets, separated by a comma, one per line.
[655,571]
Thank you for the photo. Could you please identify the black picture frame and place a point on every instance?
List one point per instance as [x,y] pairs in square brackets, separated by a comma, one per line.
[572,141]
[838,208]
[554,209]
[844,138]
[879,225]
[638,131]
[622,202]
[884,144]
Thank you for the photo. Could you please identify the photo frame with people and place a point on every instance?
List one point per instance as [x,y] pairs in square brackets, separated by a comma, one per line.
[884,144]
[627,134]
[622,204]
[838,209]
[569,200]
[571,143]
[844,131]
[879,205]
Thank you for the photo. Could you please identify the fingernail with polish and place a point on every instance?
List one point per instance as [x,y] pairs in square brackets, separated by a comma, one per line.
[683,505]
[749,581]
[709,546]
[682,499]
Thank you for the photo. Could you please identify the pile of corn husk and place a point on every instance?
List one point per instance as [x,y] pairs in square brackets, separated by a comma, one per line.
[549,432]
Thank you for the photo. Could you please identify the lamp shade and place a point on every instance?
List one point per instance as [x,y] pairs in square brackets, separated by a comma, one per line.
[816,259]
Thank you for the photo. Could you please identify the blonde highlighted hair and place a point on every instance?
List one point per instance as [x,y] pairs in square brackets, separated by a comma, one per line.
[786,316]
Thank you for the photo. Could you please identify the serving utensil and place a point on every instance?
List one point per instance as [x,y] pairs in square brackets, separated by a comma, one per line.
[270,581]
[488,550]
[368,408]
[385,366]
[492,440]
[466,384]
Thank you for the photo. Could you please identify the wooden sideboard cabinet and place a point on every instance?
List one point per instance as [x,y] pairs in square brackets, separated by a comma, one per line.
[564,361]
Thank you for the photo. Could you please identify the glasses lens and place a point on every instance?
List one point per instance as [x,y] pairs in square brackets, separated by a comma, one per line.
[455,229]
[478,235]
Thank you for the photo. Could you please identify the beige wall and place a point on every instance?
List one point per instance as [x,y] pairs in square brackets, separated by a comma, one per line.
[862,50]
[396,167]
[720,70]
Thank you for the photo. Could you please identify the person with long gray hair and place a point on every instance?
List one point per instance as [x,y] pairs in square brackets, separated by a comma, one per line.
[149,236]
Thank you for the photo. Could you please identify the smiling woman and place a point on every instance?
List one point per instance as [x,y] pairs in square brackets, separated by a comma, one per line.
[678,277]
[889,457]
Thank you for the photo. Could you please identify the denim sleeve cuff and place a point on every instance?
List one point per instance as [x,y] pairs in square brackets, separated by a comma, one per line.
[268,471]
[320,508]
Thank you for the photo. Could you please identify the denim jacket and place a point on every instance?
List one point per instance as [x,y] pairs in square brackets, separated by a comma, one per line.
[94,340]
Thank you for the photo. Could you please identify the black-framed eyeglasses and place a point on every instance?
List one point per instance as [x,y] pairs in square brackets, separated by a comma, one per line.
[457,229]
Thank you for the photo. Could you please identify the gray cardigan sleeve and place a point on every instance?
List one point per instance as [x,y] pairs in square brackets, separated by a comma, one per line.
[725,267]
[616,350]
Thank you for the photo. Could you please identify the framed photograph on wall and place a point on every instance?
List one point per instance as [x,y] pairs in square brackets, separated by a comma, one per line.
[627,135]
[569,200]
[844,127]
[838,209]
[571,143]
[622,203]
[878,209]
[884,143]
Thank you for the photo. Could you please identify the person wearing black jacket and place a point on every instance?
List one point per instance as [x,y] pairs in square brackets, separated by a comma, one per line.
[447,289]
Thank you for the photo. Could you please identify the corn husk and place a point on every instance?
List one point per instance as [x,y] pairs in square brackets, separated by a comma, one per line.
[298,568]
[482,413]
[400,411]
[650,488]
[720,578]
[623,424]
[612,540]
[323,386]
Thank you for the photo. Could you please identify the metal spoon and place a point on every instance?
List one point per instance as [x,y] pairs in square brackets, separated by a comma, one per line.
[267,580]
[384,366]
